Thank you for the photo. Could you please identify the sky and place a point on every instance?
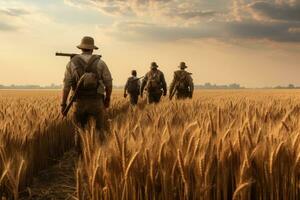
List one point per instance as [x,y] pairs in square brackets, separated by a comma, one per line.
[254,43]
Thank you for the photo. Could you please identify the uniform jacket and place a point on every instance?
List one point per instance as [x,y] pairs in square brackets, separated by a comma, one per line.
[178,78]
[160,77]
[102,70]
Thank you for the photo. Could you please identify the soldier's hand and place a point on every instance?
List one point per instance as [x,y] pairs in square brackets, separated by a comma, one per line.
[62,108]
[106,102]
[125,95]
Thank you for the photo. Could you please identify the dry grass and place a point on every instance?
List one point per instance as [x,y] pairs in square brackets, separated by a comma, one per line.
[32,135]
[220,145]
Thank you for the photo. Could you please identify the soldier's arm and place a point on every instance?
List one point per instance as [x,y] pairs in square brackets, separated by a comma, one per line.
[107,81]
[191,87]
[164,84]
[144,82]
[139,86]
[172,84]
[126,87]
[67,85]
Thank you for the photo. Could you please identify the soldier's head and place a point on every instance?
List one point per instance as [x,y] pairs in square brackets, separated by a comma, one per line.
[182,65]
[133,73]
[87,45]
[154,66]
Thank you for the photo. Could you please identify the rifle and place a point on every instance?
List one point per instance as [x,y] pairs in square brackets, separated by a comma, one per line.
[71,55]
[138,78]
[73,97]
[174,90]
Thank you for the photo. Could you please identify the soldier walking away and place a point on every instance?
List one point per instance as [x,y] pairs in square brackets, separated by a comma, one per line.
[90,80]
[132,87]
[155,84]
[182,84]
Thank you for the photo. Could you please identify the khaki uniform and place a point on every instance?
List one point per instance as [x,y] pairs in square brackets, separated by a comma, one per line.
[154,93]
[184,84]
[134,95]
[89,106]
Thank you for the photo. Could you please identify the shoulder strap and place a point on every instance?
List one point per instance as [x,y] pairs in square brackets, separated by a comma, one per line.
[91,66]
[79,64]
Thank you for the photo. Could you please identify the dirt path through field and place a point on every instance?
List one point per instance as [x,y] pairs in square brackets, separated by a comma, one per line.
[58,181]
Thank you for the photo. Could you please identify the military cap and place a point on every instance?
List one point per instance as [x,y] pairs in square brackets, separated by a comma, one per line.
[133,72]
[154,65]
[87,43]
[182,65]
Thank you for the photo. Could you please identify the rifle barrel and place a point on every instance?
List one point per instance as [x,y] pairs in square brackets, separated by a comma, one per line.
[65,54]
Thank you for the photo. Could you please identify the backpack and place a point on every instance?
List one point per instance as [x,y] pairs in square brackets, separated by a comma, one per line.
[183,81]
[153,82]
[90,82]
[133,86]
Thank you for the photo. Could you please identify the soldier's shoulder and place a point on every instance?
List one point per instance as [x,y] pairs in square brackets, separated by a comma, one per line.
[177,72]
[160,72]
[101,64]
[77,58]
[100,61]
[148,74]
[189,73]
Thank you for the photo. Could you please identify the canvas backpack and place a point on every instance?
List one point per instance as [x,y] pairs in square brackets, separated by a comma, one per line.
[183,80]
[90,82]
[133,86]
[153,82]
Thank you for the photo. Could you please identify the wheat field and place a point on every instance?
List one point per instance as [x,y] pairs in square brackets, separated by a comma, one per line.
[234,144]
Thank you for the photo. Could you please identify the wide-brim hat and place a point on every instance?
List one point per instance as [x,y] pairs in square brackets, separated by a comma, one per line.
[183,65]
[154,65]
[87,43]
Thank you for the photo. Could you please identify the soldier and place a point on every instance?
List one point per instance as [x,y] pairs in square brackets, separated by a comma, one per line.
[182,83]
[155,84]
[133,86]
[94,92]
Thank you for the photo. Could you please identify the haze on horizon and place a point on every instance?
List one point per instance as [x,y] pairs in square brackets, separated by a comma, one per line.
[253,43]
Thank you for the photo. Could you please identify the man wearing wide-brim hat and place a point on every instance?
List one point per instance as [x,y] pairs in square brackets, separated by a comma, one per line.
[155,84]
[182,85]
[95,87]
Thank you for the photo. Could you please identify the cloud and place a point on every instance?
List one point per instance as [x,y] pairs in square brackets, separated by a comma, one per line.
[186,15]
[283,10]
[7,27]
[14,11]
[278,32]
[224,31]
[170,20]
[185,9]
[16,16]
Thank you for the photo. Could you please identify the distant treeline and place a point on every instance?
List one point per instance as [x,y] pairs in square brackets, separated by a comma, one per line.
[204,86]
[52,86]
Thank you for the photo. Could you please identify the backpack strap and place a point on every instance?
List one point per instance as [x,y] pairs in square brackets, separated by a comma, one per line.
[82,67]
[90,65]
[79,64]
